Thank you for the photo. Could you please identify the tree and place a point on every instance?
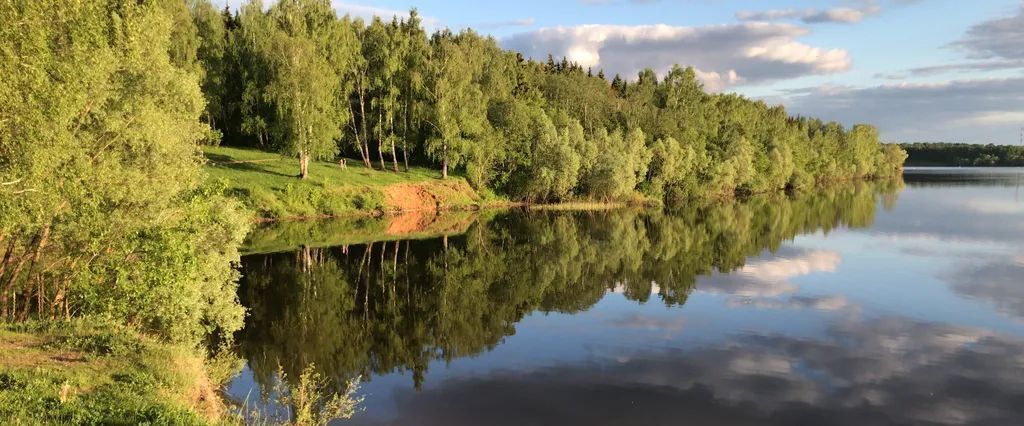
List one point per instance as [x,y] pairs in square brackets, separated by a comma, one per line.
[458,114]
[468,104]
[412,79]
[303,86]
[554,168]
[384,50]
[670,164]
[212,55]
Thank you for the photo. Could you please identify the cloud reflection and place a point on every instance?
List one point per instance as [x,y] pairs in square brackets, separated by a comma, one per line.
[771,277]
[884,371]
[998,284]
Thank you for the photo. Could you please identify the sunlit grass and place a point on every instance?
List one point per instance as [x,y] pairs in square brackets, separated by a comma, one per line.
[74,373]
[268,183]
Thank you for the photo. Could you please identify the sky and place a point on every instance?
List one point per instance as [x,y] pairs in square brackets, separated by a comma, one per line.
[920,70]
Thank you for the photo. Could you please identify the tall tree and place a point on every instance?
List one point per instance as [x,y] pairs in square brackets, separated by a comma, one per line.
[213,58]
[412,79]
[384,50]
[458,114]
[304,85]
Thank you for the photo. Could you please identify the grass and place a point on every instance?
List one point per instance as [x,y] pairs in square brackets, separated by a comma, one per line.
[76,373]
[268,184]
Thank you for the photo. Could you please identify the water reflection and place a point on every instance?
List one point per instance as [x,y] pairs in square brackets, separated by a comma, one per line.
[863,304]
[395,306]
[883,371]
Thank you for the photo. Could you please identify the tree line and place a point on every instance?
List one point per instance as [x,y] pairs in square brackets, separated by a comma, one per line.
[963,154]
[298,79]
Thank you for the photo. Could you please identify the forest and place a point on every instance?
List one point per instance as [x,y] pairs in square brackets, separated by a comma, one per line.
[107,211]
[963,154]
[295,78]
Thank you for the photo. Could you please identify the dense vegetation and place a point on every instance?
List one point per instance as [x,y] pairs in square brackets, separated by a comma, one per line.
[963,154]
[297,79]
[105,214]
[104,210]
[107,211]
[385,306]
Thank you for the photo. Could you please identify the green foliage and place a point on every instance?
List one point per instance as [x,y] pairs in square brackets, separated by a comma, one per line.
[671,164]
[962,154]
[459,101]
[620,165]
[555,165]
[106,213]
[311,401]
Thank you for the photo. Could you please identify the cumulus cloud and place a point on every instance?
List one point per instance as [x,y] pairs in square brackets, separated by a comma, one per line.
[840,14]
[768,15]
[960,110]
[725,55]
[992,65]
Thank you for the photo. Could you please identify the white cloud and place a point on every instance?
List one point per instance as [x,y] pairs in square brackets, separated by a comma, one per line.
[726,55]
[976,110]
[842,15]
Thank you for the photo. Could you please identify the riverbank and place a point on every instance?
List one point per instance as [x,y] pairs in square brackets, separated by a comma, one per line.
[76,373]
[267,184]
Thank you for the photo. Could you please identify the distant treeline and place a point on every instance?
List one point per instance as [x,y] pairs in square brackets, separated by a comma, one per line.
[963,154]
[298,79]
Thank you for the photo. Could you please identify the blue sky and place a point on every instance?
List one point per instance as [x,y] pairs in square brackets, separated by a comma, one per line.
[949,70]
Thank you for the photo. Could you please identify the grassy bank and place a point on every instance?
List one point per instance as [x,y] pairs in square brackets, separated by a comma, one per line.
[267,183]
[72,373]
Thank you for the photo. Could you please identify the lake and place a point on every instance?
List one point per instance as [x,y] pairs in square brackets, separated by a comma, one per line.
[866,303]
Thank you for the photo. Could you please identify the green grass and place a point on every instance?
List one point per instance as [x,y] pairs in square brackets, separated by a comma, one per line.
[268,184]
[77,373]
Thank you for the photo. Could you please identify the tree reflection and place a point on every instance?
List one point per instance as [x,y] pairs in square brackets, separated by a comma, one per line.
[395,306]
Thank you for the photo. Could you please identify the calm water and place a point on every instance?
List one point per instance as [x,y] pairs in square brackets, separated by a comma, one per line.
[865,304]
